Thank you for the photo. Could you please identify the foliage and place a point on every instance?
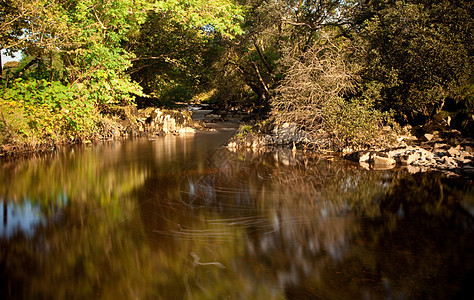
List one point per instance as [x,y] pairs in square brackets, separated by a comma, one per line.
[317,78]
[84,51]
[29,24]
[223,16]
[94,56]
[42,111]
[418,53]
[169,54]
[178,43]
[246,72]
[356,124]
[276,33]
[310,61]
[314,95]
[74,65]
[233,86]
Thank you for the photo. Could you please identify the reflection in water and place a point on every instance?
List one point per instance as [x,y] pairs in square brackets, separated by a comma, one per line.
[177,218]
[24,217]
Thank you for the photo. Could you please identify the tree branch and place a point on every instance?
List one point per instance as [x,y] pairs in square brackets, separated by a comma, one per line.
[262,58]
[297,23]
[147,58]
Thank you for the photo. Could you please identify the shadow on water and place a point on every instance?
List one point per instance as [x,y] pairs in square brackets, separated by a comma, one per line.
[180,218]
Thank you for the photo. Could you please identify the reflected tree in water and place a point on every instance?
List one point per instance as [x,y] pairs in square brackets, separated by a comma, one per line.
[170,223]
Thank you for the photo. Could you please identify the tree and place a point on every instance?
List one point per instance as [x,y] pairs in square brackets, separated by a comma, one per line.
[317,96]
[276,33]
[414,54]
[177,43]
[171,59]
[79,53]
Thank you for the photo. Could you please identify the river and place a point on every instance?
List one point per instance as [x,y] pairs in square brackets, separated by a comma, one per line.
[180,217]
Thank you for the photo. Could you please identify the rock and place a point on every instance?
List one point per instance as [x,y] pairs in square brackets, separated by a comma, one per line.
[379,160]
[449,162]
[454,151]
[365,165]
[410,158]
[364,157]
[169,124]
[429,136]
[187,129]
[359,156]
[269,139]
[406,138]
[413,169]
[444,151]
[425,153]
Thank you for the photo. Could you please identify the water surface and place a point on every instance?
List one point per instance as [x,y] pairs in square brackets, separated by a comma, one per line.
[183,218]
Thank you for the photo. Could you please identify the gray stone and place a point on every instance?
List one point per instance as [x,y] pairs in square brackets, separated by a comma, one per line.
[365,165]
[449,161]
[465,154]
[187,129]
[425,153]
[358,156]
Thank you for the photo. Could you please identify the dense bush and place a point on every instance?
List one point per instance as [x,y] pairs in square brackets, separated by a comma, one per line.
[38,111]
[417,54]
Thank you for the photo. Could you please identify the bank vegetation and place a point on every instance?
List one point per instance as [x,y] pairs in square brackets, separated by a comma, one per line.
[350,74]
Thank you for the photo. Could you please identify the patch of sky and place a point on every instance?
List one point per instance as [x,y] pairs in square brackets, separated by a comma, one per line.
[22,217]
[6,58]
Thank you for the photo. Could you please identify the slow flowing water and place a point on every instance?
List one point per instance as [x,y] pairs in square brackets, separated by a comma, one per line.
[183,218]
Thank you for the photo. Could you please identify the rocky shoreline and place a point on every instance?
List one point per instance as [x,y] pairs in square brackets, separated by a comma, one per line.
[118,123]
[150,121]
[451,160]
[445,151]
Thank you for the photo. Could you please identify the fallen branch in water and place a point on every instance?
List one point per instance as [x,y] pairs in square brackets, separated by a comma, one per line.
[196,261]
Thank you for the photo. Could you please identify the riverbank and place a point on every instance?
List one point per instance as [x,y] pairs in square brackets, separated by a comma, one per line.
[116,123]
[416,149]
[447,151]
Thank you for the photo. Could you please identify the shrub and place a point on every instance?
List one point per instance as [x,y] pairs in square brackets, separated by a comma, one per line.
[40,111]
[313,95]
[356,124]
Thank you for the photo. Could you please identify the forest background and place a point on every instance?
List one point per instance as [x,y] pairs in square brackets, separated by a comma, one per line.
[344,71]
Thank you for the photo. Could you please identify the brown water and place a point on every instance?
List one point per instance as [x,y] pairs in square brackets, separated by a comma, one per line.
[181,218]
